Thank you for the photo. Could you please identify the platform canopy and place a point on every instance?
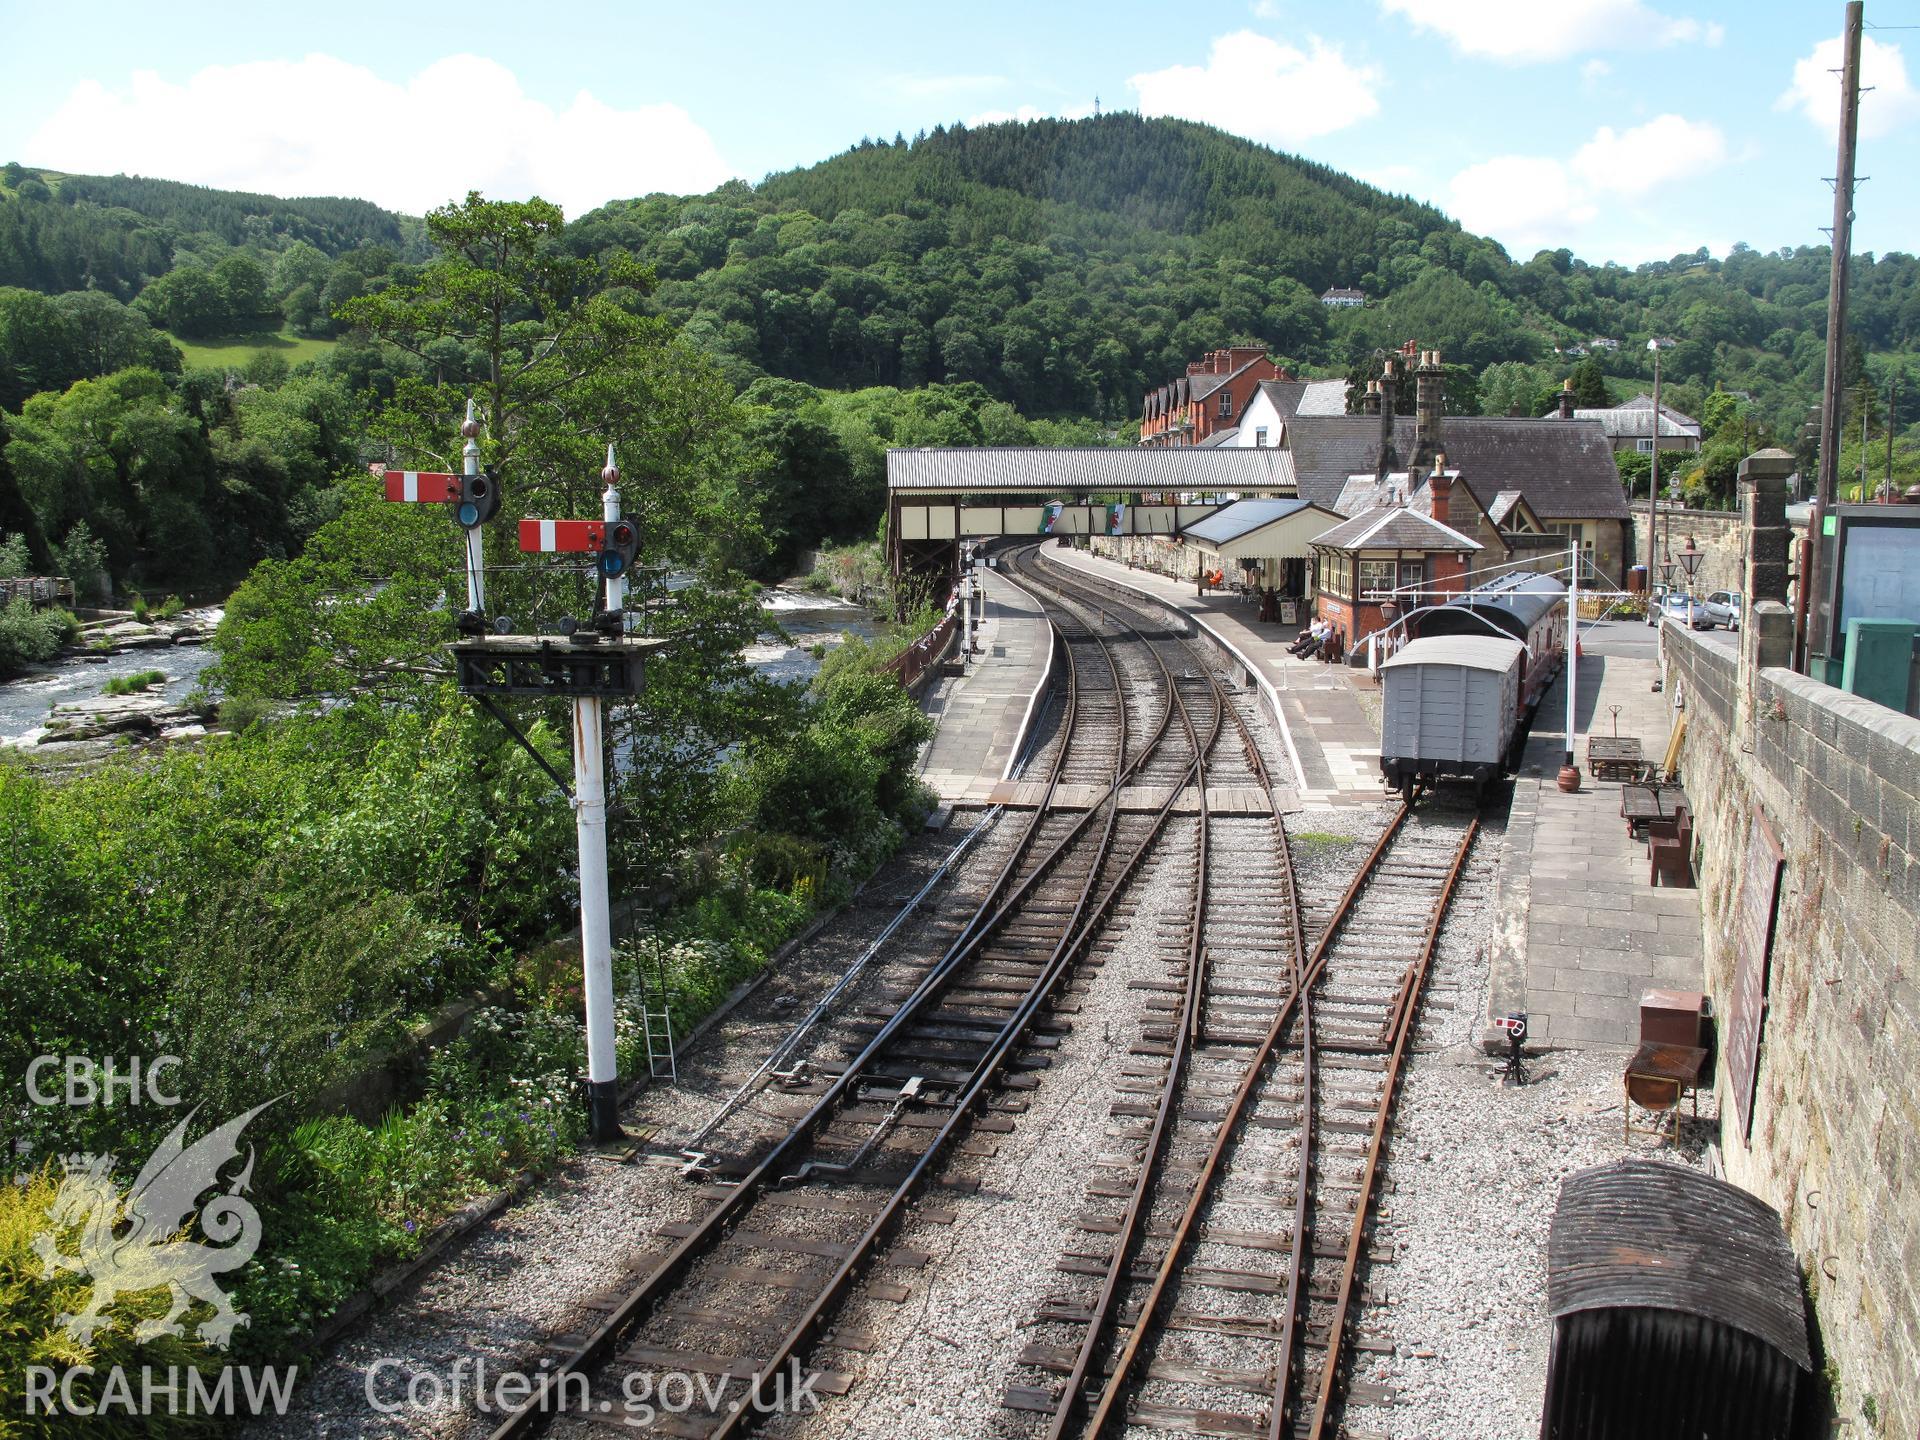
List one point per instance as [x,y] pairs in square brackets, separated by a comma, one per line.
[1079,473]
[1248,532]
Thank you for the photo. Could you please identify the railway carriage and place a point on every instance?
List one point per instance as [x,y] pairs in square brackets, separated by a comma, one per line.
[1457,697]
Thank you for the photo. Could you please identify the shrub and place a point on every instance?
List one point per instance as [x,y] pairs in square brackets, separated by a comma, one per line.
[16,561]
[33,1335]
[29,636]
[238,712]
[82,558]
[132,684]
[140,610]
[172,607]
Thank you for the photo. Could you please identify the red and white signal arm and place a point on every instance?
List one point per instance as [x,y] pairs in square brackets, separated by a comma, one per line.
[430,486]
[543,536]
[1509,1022]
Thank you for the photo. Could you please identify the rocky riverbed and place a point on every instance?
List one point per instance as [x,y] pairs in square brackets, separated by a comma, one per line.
[62,709]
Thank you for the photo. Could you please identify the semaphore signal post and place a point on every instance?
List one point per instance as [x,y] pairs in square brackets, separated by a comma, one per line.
[590,665]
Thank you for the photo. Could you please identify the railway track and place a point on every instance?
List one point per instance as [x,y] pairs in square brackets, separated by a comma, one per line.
[745,1295]
[1247,1262]
[1225,1233]
[1219,1310]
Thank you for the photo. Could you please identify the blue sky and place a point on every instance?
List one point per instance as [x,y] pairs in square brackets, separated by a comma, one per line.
[1623,129]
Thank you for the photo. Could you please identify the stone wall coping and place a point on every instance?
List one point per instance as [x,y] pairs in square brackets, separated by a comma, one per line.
[1863,714]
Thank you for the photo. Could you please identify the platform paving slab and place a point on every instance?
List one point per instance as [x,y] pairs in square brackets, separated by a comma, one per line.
[980,715]
[1579,932]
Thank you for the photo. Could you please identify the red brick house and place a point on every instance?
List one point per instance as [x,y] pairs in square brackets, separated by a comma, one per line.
[1209,399]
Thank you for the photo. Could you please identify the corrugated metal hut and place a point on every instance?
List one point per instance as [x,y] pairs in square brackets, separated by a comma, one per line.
[1677,1310]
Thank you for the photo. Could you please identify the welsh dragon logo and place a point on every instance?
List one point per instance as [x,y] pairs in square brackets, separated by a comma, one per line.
[131,1246]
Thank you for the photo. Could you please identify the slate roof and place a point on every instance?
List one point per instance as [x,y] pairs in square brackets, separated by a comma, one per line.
[1635,417]
[1323,397]
[1243,517]
[1393,527]
[1306,397]
[1504,504]
[1089,469]
[1564,467]
[1221,437]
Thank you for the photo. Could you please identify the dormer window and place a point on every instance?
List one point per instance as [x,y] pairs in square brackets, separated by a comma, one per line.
[1226,402]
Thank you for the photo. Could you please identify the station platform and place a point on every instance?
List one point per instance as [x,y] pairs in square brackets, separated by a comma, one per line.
[983,713]
[1580,933]
[1330,715]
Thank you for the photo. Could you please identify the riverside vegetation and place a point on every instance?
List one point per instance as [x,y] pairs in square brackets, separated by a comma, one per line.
[281,907]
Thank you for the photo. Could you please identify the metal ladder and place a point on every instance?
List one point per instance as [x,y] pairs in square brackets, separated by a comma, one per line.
[656,1021]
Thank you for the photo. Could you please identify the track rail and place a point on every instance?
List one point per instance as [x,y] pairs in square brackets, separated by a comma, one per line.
[1071,865]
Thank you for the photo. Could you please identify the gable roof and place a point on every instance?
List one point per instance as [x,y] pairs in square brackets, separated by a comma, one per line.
[1323,397]
[1393,527]
[1305,397]
[1565,468]
[1635,417]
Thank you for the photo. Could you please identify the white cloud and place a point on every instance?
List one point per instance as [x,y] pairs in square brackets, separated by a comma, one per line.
[1666,148]
[1530,202]
[1267,9]
[322,126]
[1525,202]
[1594,71]
[1815,91]
[1518,31]
[1264,89]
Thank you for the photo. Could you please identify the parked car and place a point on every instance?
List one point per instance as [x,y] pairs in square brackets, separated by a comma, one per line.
[1729,601]
[1699,612]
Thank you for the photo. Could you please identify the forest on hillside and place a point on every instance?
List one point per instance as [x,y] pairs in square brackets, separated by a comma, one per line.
[1002,284]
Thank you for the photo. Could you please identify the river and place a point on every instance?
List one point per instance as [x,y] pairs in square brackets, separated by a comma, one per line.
[808,619]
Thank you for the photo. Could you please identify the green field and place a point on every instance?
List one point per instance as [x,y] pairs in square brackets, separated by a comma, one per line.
[237,350]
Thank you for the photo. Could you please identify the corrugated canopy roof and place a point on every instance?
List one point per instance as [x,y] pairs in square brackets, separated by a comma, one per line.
[1646,1234]
[1061,470]
[1242,517]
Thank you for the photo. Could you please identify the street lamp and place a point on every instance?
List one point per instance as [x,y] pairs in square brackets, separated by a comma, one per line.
[1690,559]
[1653,480]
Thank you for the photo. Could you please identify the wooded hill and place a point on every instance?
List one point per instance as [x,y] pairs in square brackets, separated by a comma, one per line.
[959,288]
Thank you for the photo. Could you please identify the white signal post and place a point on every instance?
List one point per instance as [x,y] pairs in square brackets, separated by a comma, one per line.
[590,820]
[610,512]
[476,576]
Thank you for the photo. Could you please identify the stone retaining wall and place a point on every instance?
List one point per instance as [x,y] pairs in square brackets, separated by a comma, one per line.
[1835,1140]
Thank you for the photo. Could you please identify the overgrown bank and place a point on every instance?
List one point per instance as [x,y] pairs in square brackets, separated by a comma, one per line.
[277,908]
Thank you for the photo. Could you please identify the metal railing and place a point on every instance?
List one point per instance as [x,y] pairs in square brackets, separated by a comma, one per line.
[38,590]
[913,662]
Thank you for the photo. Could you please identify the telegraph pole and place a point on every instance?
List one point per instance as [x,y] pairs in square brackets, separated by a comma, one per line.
[1829,468]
